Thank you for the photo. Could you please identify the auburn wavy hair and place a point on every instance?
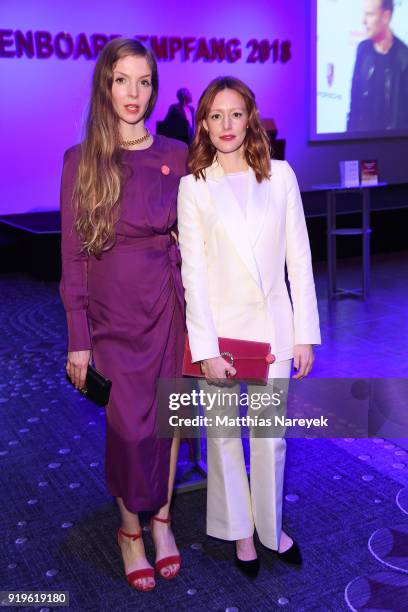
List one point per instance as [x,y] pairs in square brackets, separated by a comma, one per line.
[256,143]
[100,174]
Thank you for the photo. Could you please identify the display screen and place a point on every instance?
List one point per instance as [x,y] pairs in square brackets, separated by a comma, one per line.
[359,68]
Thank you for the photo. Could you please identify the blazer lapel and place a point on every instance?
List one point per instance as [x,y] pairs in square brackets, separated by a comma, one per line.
[233,220]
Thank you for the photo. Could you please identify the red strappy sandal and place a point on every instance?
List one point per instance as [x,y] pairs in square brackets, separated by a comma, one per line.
[166,561]
[146,572]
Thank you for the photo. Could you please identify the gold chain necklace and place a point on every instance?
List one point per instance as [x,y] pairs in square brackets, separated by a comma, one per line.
[132,143]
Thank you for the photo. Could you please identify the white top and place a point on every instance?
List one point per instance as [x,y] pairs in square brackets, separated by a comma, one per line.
[238,182]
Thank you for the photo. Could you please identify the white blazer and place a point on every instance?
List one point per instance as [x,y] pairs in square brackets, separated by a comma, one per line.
[233,269]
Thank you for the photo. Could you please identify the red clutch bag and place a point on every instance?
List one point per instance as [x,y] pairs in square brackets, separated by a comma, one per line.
[250,359]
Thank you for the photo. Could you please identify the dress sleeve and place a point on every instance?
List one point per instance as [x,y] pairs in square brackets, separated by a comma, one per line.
[299,265]
[74,277]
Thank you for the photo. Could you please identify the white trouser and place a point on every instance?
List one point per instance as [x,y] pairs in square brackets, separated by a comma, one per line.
[235,507]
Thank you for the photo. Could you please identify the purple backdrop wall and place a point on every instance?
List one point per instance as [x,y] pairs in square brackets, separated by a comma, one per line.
[44,100]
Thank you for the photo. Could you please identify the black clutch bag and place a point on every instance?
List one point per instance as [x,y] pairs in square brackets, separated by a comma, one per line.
[97,387]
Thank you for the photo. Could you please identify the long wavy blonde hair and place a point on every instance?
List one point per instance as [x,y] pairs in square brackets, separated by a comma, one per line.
[100,173]
[256,143]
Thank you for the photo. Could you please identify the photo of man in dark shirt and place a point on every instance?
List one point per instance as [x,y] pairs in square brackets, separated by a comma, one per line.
[379,91]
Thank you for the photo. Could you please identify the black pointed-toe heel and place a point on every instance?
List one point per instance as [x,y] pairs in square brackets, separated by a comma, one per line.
[249,568]
[292,555]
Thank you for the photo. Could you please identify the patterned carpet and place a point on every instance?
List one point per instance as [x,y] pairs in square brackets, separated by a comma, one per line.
[346,501]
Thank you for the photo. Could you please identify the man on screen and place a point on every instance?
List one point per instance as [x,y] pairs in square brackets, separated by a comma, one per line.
[379,90]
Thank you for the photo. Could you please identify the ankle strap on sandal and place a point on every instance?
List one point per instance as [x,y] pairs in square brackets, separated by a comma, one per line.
[133,536]
[162,520]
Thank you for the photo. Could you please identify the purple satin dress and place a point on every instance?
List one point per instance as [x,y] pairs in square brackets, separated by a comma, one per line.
[128,307]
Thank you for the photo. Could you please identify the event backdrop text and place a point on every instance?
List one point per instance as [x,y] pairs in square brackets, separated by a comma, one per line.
[43,45]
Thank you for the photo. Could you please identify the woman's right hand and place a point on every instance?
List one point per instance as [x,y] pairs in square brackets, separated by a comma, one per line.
[216,369]
[77,365]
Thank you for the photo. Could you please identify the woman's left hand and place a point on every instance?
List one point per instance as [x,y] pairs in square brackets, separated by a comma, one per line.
[303,359]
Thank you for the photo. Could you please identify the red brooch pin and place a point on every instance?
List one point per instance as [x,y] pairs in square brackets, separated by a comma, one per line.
[165,170]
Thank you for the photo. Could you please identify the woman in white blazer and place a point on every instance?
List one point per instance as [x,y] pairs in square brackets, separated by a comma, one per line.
[240,218]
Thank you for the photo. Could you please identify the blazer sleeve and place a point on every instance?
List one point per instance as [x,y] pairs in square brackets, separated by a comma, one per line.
[299,265]
[73,285]
[202,334]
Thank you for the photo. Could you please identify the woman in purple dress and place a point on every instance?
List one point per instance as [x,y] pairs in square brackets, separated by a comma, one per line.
[122,291]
